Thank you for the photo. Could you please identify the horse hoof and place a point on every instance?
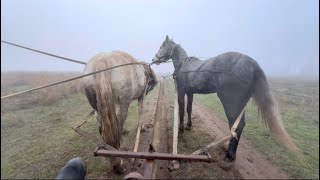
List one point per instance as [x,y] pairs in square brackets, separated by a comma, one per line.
[180,135]
[225,165]
[142,130]
[119,169]
[188,127]
[229,157]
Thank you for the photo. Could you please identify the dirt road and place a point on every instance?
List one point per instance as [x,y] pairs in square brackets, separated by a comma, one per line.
[250,164]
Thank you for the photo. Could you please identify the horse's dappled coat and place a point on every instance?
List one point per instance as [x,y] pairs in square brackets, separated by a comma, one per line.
[235,77]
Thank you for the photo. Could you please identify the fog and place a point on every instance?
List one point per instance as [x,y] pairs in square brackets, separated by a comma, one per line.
[282,36]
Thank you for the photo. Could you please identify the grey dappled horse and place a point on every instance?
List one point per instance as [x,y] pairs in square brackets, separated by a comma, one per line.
[235,77]
[111,92]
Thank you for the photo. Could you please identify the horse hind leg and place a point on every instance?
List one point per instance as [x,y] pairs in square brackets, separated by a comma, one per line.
[189,111]
[92,98]
[234,142]
[233,106]
[122,113]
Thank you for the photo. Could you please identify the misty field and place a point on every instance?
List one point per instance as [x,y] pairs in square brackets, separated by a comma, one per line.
[37,139]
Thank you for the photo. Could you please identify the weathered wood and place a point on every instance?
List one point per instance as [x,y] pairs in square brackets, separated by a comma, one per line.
[139,125]
[175,122]
[157,129]
[153,155]
[136,144]
[213,144]
[175,164]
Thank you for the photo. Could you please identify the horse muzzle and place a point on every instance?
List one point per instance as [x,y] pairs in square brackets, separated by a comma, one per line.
[154,61]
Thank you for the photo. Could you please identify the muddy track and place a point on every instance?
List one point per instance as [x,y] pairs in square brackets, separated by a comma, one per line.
[250,164]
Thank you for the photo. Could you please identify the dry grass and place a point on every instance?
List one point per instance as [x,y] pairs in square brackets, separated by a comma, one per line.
[37,141]
[12,82]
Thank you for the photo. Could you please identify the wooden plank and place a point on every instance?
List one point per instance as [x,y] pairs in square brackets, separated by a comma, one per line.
[157,128]
[211,145]
[136,144]
[175,164]
[153,155]
[175,121]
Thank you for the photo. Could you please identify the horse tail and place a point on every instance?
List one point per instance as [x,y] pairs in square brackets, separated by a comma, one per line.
[110,128]
[269,111]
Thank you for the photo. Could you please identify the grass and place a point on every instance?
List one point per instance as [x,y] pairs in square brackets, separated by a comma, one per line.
[299,106]
[37,140]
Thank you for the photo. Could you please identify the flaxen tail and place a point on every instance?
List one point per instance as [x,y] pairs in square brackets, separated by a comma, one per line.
[110,128]
[269,111]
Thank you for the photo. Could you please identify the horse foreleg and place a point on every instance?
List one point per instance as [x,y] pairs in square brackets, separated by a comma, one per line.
[181,95]
[189,111]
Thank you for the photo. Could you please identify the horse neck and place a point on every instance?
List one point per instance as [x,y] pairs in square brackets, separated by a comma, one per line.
[178,56]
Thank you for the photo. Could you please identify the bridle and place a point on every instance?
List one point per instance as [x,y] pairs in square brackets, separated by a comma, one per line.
[160,57]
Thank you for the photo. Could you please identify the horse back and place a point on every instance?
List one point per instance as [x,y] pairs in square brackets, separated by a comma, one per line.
[208,76]
[127,82]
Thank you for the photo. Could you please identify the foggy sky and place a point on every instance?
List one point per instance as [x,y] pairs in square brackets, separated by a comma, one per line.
[281,35]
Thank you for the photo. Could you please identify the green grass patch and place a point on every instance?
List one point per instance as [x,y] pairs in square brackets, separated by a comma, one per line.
[299,106]
[37,142]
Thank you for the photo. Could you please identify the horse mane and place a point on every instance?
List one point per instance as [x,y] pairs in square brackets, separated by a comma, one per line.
[151,78]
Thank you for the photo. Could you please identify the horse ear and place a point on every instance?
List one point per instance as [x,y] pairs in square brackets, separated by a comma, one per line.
[167,38]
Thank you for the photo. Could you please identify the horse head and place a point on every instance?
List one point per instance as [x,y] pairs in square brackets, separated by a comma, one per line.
[165,52]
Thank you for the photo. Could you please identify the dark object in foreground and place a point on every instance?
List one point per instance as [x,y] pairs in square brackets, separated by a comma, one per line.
[74,169]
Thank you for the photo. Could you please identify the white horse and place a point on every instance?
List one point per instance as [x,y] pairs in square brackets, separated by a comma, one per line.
[111,92]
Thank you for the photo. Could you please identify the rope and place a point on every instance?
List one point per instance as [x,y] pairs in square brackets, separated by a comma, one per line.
[71,79]
[67,59]
[56,56]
